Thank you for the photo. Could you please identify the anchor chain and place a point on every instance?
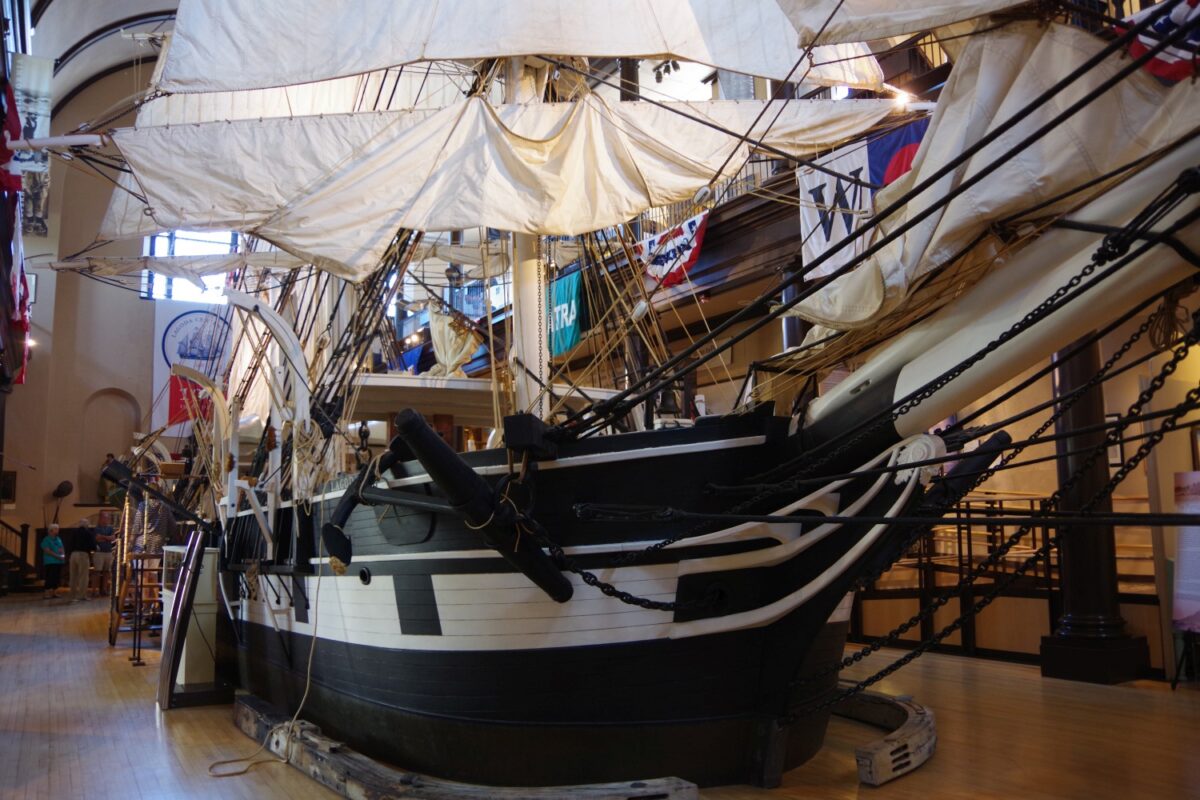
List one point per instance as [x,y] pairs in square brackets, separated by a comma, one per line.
[1189,404]
[993,558]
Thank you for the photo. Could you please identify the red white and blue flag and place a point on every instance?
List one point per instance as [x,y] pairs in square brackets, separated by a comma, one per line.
[832,208]
[667,257]
[1178,61]
[892,154]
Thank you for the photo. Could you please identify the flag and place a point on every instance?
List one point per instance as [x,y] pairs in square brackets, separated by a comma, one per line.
[667,257]
[568,313]
[1177,62]
[892,154]
[832,207]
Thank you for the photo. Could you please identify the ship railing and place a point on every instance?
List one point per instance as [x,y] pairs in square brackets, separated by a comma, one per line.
[954,549]
[752,176]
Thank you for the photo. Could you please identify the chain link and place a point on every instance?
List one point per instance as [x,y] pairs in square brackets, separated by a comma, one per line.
[993,558]
[1114,246]
[1189,404]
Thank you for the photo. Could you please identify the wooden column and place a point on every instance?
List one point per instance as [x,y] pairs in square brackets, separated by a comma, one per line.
[1089,642]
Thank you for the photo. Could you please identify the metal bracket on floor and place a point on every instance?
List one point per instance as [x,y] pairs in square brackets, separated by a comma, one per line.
[351,774]
[910,742]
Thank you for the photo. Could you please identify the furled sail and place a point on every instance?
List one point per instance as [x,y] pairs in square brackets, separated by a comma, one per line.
[185,267]
[484,260]
[999,74]
[864,20]
[334,189]
[219,46]
[370,91]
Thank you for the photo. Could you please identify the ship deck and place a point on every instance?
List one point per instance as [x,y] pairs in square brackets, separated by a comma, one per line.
[78,721]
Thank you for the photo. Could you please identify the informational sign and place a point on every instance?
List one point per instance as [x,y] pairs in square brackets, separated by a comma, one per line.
[1186,613]
[195,335]
[568,313]
[667,257]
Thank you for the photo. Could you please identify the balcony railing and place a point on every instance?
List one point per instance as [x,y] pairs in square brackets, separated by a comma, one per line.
[750,178]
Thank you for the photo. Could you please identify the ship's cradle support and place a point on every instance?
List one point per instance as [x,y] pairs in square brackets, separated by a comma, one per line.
[908,745]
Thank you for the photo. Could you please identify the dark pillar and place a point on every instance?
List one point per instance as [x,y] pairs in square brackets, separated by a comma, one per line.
[637,361]
[794,328]
[1090,642]
[630,87]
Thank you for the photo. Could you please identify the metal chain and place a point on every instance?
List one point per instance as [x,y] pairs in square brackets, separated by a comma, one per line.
[994,558]
[929,390]
[1114,246]
[1189,404]
[534,530]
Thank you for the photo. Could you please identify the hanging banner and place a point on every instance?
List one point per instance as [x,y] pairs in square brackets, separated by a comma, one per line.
[193,334]
[832,208]
[1186,607]
[667,257]
[568,313]
[21,289]
[31,77]
[890,156]
[1174,63]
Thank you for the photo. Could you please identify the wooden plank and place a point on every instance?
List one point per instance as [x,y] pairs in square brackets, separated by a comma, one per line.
[64,691]
[353,775]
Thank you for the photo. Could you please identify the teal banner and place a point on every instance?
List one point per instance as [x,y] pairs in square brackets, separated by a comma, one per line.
[567,313]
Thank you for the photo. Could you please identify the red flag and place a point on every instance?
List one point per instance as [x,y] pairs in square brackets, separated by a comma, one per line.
[179,408]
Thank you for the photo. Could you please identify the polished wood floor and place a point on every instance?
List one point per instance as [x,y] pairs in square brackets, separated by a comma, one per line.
[78,721]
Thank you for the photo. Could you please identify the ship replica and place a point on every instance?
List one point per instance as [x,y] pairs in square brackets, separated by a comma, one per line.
[590,601]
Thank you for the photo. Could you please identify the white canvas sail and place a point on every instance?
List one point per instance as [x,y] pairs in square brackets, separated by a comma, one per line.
[999,74]
[185,267]
[219,44]
[864,20]
[371,91]
[334,189]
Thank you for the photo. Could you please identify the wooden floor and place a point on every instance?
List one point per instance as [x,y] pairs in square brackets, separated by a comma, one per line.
[77,721]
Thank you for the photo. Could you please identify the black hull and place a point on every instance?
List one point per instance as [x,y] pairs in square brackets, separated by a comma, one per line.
[708,750]
[442,658]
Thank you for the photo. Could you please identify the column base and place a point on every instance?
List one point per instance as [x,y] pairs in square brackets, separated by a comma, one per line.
[1094,660]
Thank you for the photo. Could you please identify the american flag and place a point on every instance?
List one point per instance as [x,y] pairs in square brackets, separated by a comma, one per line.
[1177,62]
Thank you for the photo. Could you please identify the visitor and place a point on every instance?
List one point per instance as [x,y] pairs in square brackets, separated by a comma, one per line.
[102,559]
[81,560]
[53,557]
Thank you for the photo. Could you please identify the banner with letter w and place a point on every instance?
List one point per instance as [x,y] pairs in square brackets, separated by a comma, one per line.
[832,207]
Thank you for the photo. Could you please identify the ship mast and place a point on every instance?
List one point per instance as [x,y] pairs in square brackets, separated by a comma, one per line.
[526,352]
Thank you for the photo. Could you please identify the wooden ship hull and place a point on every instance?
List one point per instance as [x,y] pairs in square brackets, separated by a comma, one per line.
[431,645]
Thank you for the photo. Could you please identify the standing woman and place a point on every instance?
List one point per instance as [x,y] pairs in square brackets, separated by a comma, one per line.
[53,557]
